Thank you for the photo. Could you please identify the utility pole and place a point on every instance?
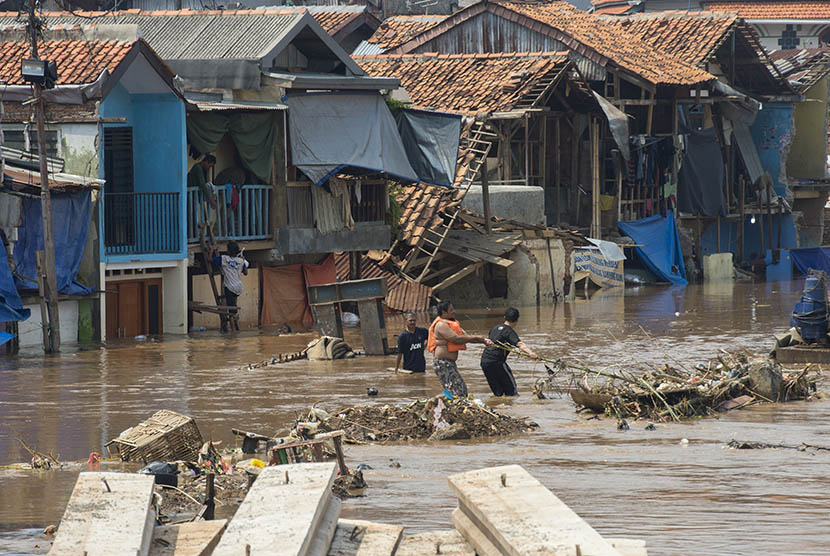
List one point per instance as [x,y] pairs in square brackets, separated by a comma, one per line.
[51,340]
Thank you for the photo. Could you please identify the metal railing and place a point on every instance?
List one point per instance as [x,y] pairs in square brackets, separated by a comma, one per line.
[141,223]
[250,220]
[372,205]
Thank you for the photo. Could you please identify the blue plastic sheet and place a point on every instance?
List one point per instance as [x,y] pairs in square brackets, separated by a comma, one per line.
[70,225]
[11,307]
[5,337]
[660,249]
[817,258]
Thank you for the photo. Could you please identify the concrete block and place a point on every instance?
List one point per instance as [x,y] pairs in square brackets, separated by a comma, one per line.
[108,514]
[324,534]
[521,517]
[514,202]
[447,543]
[31,334]
[718,267]
[475,536]
[282,512]
[765,379]
[365,538]
[187,539]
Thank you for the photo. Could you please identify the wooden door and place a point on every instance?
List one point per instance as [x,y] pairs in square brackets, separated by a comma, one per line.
[134,307]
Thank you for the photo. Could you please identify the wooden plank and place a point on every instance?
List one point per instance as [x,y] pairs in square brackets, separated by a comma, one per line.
[522,516]
[262,522]
[478,539]
[372,327]
[108,514]
[187,539]
[365,538]
[446,543]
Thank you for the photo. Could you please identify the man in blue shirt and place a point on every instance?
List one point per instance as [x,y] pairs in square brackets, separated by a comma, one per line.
[411,344]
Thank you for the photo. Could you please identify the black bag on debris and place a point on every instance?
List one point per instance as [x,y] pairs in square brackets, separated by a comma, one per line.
[165,473]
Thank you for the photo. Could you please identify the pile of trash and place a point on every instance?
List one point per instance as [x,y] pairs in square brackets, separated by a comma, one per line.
[730,381]
[434,419]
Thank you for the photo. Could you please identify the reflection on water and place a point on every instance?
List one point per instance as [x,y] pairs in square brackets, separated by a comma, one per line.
[683,499]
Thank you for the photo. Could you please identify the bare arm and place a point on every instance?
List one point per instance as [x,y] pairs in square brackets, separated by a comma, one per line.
[526,350]
[446,333]
[398,362]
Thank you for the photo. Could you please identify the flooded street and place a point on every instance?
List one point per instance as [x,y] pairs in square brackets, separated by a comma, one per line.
[696,498]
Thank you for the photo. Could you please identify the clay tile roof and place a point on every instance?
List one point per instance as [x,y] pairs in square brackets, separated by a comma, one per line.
[466,83]
[78,61]
[334,18]
[398,29]
[802,67]
[777,9]
[690,36]
[624,49]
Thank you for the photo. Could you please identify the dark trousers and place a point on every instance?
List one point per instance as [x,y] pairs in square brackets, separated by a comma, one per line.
[230,301]
[500,378]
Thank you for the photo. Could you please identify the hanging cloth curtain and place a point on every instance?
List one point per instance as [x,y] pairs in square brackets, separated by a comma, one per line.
[253,134]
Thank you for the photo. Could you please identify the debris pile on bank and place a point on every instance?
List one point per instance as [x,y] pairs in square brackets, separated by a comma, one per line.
[730,381]
[434,419]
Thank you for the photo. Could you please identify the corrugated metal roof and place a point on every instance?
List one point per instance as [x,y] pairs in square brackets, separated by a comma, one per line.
[221,106]
[366,48]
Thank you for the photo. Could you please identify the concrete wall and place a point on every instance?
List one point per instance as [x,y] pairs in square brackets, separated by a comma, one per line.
[248,302]
[718,268]
[31,330]
[174,298]
[365,236]
[521,278]
[808,153]
[807,34]
[79,149]
[772,133]
[513,202]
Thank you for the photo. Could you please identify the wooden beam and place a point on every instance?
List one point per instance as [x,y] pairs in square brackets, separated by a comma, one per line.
[187,539]
[365,538]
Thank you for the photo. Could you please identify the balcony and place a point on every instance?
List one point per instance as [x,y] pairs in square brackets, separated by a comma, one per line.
[250,221]
[141,223]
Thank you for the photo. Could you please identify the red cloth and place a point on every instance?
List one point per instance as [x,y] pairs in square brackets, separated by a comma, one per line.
[234,197]
[285,294]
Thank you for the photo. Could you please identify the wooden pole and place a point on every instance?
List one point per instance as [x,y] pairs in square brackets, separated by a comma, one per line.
[527,148]
[742,216]
[557,180]
[769,213]
[44,314]
[596,231]
[718,251]
[575,147]
[51,281]
[485,197]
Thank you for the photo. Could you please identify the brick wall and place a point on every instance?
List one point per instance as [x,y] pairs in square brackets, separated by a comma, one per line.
[16,112]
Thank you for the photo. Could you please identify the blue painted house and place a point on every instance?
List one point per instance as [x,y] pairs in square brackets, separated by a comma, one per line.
[118,115]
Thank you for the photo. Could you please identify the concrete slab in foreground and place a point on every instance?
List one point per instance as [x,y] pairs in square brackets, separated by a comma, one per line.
[108,514]
[187,539]
[281,513]
[365,538]
[523,518]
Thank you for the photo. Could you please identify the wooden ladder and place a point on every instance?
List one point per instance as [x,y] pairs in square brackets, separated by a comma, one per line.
[208,244]
[479,141]
[540,90]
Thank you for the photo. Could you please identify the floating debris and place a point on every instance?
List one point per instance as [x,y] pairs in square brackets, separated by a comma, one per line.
[743,445]
[434,418]
[730,381]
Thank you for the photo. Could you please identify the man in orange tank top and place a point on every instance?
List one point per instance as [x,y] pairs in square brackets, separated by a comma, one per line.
[446,339]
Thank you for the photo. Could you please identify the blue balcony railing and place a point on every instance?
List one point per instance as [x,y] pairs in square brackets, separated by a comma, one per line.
[141,223]
[250,221]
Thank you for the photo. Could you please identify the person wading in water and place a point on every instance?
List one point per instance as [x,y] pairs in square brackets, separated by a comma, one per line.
[446,339]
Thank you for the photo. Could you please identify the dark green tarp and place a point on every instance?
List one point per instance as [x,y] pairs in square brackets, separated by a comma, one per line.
[253,134]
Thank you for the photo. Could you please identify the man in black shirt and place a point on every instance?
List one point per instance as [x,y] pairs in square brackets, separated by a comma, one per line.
[494,358]
[411,344]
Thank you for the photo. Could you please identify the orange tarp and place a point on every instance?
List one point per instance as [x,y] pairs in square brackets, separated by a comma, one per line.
[284,296]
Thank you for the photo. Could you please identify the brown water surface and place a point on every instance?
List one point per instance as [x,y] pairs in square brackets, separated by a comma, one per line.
[696,498]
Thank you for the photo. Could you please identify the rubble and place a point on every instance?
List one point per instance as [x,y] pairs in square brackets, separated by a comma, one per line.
[420,420]
[730,381]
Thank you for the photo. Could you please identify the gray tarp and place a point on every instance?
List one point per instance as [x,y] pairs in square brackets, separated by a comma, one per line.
[702,175]
[618,122]
[330,131]
[431,142]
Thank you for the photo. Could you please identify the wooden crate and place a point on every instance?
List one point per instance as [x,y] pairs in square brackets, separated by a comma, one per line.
[165,436]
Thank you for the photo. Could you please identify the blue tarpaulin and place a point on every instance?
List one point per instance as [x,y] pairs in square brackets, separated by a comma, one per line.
[660,249]
[11,307]
[70,225]
[817,258]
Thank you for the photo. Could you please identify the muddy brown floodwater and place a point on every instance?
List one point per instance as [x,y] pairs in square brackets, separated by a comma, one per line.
[696,498]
